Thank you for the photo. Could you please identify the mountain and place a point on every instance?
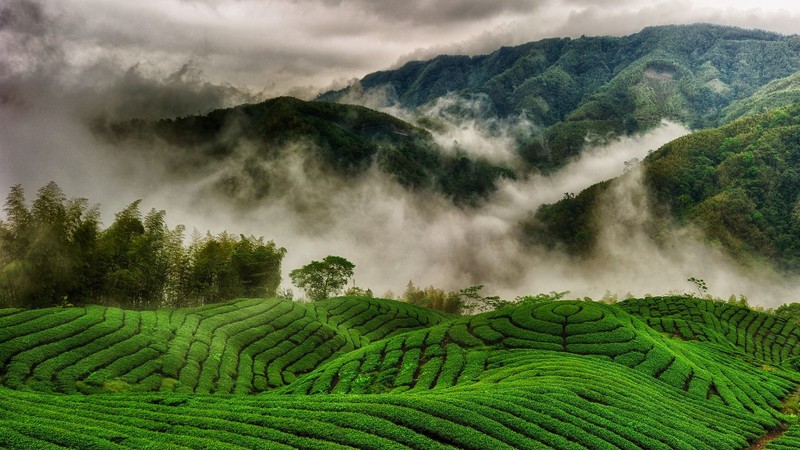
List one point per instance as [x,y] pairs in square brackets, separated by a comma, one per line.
[572,91]
[656,373]
[341,140]
[739,184]
[596,87]
[777,94]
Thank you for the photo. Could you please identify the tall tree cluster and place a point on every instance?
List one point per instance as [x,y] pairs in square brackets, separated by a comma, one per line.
[54,252]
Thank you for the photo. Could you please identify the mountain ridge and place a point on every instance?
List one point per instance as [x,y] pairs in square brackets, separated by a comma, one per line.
[736,183]
[344,141]
[598,86]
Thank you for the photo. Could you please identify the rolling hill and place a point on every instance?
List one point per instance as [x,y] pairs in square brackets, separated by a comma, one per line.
[780,93]
[661,373]
[595,87]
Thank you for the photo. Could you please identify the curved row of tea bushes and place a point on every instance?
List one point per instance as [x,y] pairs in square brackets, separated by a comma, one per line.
[539,400]
[768,338]
[567,374]
[372,319]
[467,350]
[789,440]
[243,346]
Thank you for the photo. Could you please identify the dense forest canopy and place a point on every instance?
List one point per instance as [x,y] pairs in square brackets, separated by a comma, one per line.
[738,183]
[595,87]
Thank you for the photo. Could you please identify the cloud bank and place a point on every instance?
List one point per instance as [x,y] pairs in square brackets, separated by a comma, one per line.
[71,61]
[299,46]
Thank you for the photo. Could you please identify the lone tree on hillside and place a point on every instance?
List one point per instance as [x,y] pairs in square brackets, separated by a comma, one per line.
[323,279]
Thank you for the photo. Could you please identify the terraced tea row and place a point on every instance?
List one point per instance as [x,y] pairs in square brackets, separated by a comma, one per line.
[568,374]
[465,350]
[766,337]
[239,347]
[369,320]
[539,400]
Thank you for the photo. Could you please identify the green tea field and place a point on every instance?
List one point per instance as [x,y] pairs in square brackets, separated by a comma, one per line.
[654,373]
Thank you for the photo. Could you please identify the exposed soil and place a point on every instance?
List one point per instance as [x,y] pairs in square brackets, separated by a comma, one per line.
[773,434]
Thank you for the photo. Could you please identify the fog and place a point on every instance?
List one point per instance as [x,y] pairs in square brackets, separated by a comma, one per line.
[391,234]
[67,64]
[304,47]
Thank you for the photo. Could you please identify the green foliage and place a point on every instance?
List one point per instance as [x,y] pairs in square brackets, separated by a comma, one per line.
[46,251]
[388,374]
[737,183]
[789,311]
[780,93]
[226,266]
[464,301]
[346,139]
[433,298]
[595,87]
[323,279]
[55,253]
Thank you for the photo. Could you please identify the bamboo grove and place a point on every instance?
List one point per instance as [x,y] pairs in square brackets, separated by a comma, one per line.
[54,252]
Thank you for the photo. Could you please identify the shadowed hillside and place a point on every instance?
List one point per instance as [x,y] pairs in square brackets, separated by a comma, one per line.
[263,141]
[738,184]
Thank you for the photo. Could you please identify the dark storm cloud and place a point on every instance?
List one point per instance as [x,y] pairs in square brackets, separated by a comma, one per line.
[22,15]
[439,12]
[302,46]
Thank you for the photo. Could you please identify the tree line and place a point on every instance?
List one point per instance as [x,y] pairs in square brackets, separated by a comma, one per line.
[54,252]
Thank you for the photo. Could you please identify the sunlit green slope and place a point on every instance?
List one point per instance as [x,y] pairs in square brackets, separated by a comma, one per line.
[656,373]
[244,346]
[592,87]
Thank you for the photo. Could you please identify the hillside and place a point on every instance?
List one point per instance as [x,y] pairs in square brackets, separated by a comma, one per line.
[244,347]
[780,93]
[370,373]
[328,139]
[738,184]
[599,86]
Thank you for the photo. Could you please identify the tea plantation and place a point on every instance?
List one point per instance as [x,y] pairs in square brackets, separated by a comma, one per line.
[655,373]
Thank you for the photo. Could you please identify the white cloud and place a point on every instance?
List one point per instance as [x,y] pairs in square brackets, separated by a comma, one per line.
[63,60]
[282,44]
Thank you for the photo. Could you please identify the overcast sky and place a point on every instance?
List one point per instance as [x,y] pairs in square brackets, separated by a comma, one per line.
[300,47]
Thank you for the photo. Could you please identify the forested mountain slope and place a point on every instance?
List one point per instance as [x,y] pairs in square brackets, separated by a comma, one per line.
[570,92]
[595,86]
[337,140]
[777,94]
[369,373]
[739,184]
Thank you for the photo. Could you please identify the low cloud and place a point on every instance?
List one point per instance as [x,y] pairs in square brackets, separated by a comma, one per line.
[392,235]
[71,61]
[293,46]
[631,261]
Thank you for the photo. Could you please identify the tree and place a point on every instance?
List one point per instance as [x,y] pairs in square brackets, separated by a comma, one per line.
[790,311]
[54,253]
[323,279]
[257,265]
[44,249]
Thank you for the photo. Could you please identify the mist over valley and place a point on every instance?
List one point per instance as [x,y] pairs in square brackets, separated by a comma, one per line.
[318,224]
